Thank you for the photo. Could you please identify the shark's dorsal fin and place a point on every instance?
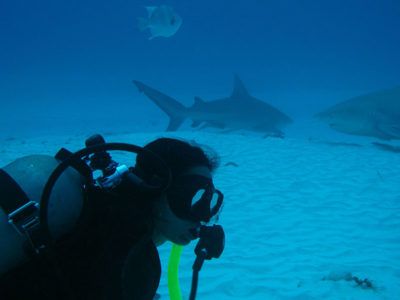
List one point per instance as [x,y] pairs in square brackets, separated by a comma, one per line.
[239,90]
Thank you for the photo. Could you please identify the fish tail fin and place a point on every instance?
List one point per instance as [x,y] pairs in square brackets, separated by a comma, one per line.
[175,110]
[143,23]
[174,123]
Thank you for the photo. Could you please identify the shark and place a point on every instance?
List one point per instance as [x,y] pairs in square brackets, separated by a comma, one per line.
[239,111]
[375,114]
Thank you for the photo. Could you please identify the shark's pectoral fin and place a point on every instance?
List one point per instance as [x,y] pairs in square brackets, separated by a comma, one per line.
[386,131]
[389,130]
[387,147]
[386,125]
[269,130]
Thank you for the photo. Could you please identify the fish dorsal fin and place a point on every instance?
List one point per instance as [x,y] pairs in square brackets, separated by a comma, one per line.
[198,100]
[239,90]
[150,9]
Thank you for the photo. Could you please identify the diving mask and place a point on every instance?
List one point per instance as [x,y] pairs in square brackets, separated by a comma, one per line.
[193,197]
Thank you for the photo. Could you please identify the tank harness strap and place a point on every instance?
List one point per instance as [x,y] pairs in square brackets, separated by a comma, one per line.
[22,213]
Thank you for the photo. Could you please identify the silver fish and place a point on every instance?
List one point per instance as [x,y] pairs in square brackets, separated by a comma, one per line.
[162,21]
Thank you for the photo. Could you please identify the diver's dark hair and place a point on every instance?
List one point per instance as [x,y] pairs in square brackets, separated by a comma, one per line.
[179,156]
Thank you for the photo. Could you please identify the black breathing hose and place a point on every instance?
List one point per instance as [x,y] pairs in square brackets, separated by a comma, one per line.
[198,263]
[195,283]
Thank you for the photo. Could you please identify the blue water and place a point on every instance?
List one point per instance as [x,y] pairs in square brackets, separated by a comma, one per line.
[66,69]
[70,63]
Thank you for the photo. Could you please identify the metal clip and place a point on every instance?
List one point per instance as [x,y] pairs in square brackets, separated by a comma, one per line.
[25,218]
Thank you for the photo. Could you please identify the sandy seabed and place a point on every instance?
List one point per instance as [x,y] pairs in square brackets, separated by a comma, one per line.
[301,219]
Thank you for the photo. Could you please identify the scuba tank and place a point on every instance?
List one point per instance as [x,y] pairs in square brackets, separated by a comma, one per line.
[26,178]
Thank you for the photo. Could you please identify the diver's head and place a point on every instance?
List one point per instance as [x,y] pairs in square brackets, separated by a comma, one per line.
[191,198]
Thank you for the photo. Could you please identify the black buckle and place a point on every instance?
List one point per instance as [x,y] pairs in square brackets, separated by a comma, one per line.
[25,218]
[26,222]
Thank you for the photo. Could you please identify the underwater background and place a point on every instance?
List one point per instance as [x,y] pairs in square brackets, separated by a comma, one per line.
[301,213]
[70,63]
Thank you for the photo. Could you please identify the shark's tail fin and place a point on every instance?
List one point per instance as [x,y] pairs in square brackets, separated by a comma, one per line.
[170,106]
[142,23]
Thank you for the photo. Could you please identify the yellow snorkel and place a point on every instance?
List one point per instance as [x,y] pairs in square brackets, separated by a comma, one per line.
[173,265]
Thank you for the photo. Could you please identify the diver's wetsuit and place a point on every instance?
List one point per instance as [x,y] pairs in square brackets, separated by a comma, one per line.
[109,256]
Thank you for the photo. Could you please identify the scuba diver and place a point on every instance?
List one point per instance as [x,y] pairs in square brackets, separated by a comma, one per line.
[82,226]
